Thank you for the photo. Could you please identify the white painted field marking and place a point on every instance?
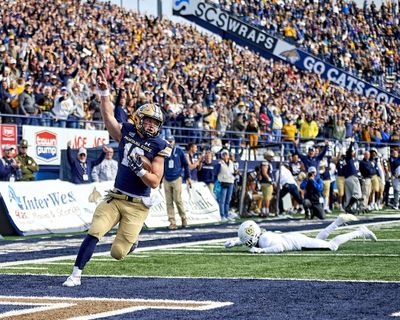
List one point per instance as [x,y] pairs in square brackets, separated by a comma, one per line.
[299,254]
[185,249]
[28,268]
[396,314]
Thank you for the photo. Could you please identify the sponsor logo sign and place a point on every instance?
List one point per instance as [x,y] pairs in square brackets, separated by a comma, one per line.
[8,137]
[46,145]
[222,20]
[55,206]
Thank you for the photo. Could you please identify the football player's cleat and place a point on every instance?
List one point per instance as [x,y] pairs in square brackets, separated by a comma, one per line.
[134,247]
[72,281]
[345,217]
[368,234]
[249,232]
[148,110]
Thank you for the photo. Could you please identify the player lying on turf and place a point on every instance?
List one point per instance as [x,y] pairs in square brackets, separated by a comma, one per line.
[261,241]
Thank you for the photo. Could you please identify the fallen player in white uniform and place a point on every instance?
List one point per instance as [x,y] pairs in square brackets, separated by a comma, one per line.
[261,241]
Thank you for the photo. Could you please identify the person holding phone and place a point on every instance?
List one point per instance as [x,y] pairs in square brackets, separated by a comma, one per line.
[313,199]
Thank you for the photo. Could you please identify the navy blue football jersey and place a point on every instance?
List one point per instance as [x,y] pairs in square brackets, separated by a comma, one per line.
[131,144]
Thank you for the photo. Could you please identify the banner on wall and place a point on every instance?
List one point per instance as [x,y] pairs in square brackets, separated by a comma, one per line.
[305,61]
[220,19]
[55,206]
[45,144]
[221,22]
[8,136]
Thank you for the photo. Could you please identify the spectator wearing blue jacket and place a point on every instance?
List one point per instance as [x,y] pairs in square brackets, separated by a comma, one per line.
[81,166]
[313,200]
[173,168]
[311,160]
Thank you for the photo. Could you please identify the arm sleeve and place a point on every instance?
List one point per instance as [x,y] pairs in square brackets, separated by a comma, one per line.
[318,184]
[69,156]
[303,184]
[349,152]
[99,159]
[185,164]
[321,155]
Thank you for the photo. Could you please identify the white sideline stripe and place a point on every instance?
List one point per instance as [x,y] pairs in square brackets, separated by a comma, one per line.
[29,268]
[206,278]
[396,314]
[299,254]
[179,245]
[186,249]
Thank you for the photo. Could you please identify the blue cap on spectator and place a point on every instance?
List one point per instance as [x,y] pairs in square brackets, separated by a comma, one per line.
[64,89]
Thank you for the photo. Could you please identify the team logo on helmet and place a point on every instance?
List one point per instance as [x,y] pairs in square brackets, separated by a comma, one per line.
[249,232]
[149,110]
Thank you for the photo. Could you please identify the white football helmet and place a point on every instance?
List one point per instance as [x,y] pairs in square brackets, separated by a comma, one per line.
[249,232]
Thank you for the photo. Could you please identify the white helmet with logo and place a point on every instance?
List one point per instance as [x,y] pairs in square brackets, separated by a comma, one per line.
[249,232]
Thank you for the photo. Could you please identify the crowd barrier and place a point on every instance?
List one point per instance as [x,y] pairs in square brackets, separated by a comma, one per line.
[55,206]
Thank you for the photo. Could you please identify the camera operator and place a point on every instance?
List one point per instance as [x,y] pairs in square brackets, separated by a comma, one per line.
[313,200]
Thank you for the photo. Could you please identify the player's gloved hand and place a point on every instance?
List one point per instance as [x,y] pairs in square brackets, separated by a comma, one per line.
[136,165]
[229,244]
[255,250]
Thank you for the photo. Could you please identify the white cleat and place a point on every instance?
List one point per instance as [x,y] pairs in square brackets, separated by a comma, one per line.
[368,234]
[346,217]
[72,282]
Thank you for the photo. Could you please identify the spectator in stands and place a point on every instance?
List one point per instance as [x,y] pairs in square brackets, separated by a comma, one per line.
[206,171]
[174,166]
[309,128]
[252,129]
[81,166]
[27,106]
[107,169]
[313,200]
[225,171]
[27,164]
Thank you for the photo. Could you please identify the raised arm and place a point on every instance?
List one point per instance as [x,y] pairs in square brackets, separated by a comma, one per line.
[106,108]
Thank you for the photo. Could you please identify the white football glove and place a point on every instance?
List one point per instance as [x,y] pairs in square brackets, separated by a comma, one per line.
[255,250]
[229,244]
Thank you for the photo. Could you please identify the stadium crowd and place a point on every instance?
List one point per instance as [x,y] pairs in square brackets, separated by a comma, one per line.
[363,41]
[210,90]
[51,52]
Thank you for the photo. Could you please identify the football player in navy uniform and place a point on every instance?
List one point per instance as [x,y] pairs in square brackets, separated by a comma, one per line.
[129,202]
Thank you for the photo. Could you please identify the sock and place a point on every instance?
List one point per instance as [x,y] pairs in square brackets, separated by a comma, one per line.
[328,230]
[337,241]
[85,251]
[76,272]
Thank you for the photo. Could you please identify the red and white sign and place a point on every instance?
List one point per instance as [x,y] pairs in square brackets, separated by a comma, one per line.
[8,137]
[45,144]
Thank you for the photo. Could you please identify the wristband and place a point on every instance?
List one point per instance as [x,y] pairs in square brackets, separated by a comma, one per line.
[141,173]
[104,93]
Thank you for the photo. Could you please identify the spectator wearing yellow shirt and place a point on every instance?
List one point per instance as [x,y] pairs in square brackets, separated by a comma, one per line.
[309,128]
[289,132]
